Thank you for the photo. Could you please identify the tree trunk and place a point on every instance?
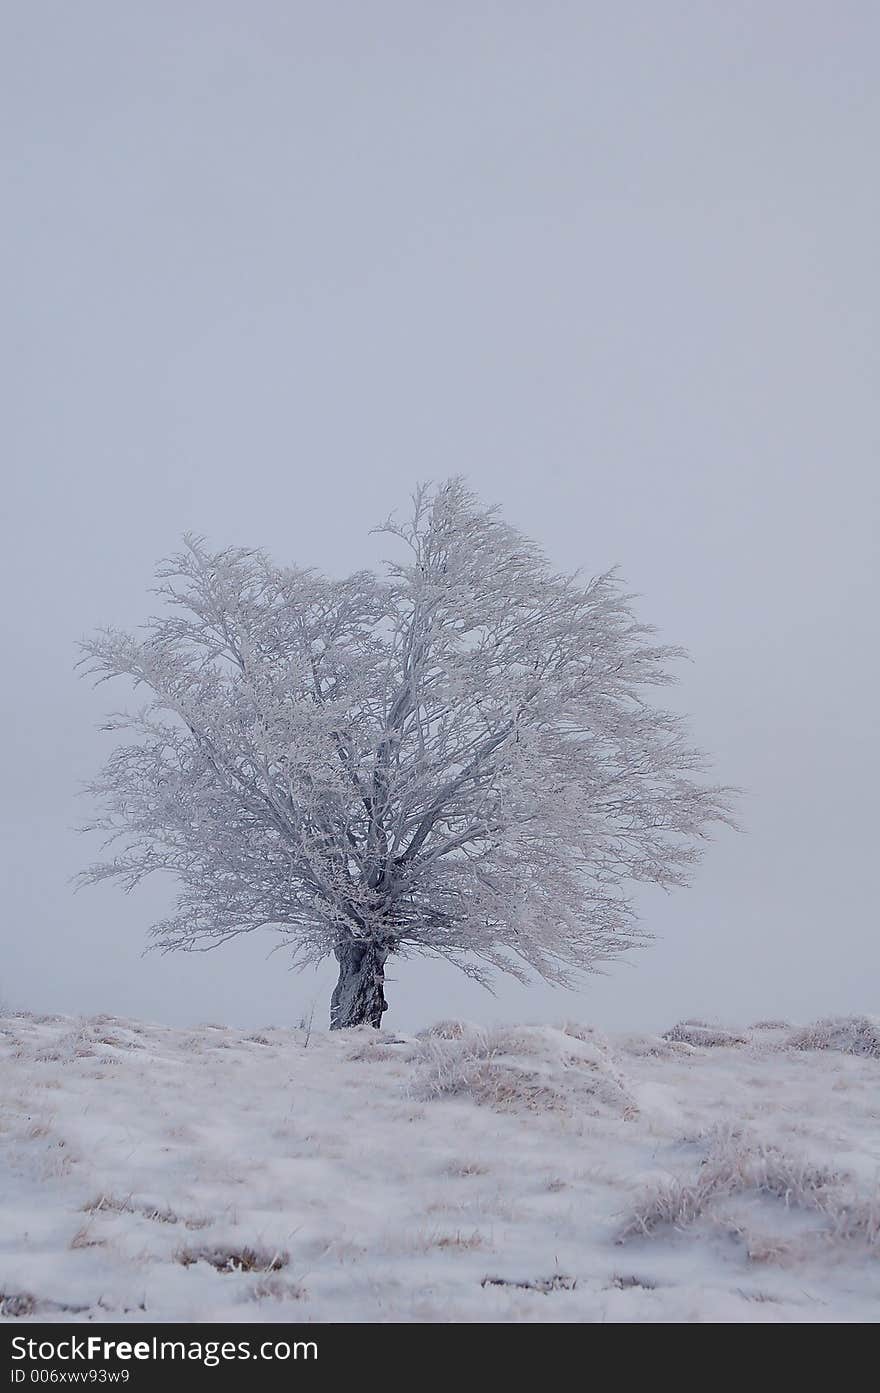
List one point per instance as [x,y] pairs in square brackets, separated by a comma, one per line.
[359,995]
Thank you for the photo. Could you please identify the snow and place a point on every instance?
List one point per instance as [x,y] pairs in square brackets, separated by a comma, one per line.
[526,1173]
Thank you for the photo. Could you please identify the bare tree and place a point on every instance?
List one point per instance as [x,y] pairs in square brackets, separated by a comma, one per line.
[457,758]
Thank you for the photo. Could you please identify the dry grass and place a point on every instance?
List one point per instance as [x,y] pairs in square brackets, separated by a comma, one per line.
[465,1241]
[375,1051]
[278,1289]
[649,1046]
[17,1304]
[737,1169]
[158,1214]
[465,1168]
[234,1259]
[429,1240]
[526,1069]
[494,1205]
[859,1035]
[703,1036]
[110,1204]
[83,1239]
[678,1204]
[446,1030]
[558,1282]
[506,1090]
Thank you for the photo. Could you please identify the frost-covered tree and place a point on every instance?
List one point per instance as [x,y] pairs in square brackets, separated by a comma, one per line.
[456,758]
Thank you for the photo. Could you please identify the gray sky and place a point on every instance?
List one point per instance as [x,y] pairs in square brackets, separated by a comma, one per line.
[268,264]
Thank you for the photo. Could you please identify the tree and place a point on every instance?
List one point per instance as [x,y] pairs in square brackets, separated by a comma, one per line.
[457,758]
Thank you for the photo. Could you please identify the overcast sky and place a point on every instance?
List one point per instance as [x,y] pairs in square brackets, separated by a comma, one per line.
[268,264]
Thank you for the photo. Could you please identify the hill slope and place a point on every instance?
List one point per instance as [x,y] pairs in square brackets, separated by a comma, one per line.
[528,1174]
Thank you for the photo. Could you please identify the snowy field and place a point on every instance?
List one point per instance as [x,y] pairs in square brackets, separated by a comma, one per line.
[519,1174]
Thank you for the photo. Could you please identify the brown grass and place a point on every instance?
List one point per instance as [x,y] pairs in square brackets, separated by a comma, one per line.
[558,1282]
[234,1259]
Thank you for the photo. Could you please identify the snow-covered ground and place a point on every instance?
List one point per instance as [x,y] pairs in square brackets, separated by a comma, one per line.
[527,1174]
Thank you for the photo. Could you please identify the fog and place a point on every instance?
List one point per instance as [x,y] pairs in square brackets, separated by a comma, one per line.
[268,265]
